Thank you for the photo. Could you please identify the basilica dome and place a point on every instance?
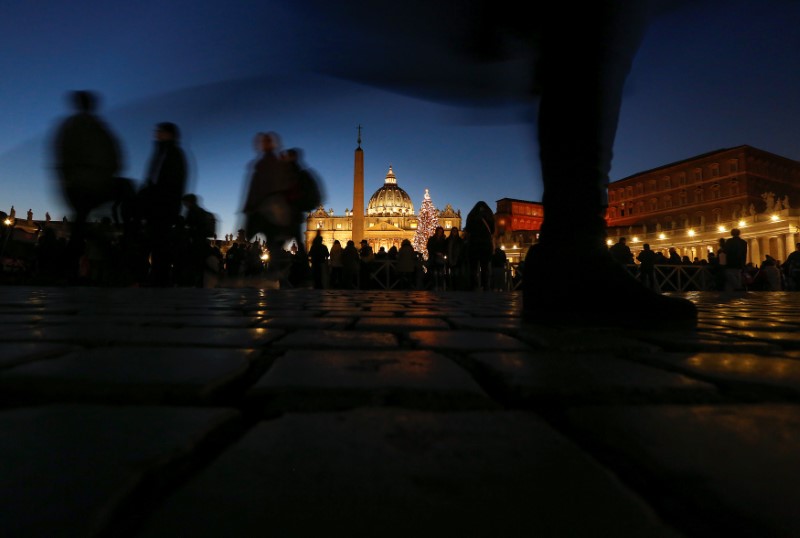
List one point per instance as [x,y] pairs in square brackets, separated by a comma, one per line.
[390,199]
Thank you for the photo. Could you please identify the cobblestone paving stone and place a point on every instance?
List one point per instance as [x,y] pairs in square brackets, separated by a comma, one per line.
[248,412]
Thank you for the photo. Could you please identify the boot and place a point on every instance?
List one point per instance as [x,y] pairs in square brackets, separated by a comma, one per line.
[578,282]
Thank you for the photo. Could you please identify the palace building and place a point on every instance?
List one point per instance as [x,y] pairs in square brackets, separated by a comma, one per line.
[389,216]
[688,205]
[517,224]
[693,203]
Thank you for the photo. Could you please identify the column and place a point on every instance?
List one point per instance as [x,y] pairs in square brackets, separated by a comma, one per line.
[753,250]
[780,249]
[790,240]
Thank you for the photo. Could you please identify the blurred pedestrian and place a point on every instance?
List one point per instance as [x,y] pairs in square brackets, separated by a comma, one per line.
[87,158]
[160,199]
[266,207]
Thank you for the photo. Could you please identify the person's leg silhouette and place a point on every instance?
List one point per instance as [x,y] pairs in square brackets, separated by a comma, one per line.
[569,275]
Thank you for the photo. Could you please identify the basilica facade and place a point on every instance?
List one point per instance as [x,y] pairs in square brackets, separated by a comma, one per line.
[388,219]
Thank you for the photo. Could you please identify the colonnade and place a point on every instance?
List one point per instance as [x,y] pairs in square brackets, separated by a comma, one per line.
[776,237]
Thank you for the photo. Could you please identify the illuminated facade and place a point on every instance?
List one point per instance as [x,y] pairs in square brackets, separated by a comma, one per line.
[388,219]
[517,224]
[693,203]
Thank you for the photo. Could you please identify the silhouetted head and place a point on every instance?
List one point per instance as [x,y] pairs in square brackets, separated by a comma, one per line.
[267,142]
[167,130]
[84,101]
[735,232]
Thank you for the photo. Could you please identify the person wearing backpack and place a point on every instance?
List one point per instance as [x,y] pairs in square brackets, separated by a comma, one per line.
[304,195]
[305,192]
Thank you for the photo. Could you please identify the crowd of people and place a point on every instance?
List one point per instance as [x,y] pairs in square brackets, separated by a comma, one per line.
[728,266]
[157,233]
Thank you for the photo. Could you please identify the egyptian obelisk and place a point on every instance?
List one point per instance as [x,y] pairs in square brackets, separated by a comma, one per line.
[358,194]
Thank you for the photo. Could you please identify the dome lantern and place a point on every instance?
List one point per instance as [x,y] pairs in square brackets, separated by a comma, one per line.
[390,199]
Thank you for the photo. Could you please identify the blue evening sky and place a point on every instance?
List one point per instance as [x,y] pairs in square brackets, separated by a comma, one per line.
[709,75]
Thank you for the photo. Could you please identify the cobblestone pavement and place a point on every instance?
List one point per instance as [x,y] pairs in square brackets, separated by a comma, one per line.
[246,412]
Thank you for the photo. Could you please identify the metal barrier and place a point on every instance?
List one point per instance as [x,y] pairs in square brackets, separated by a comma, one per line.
[668,277]
[684,278]
[383,275]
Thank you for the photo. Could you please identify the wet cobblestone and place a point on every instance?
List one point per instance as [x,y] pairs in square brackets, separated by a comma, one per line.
[247,412]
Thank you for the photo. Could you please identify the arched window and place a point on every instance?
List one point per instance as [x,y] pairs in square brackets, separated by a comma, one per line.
[699,194]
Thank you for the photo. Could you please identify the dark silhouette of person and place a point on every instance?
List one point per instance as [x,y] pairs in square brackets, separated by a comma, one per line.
[336,264]
[791,269]
[406,265]
[305,193]
[318,256]
[575,60]
[456,260]
[351,264]
[366,256]
[647,267]
[479,238]
[160,199]
[233,262]
[200,228]
[581,88]
[498,264]
[266,207]
[736,259]
[88,156]
[622,252]
[437,254]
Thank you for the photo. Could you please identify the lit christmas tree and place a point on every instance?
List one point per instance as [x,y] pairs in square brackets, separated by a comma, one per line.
[426,225]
